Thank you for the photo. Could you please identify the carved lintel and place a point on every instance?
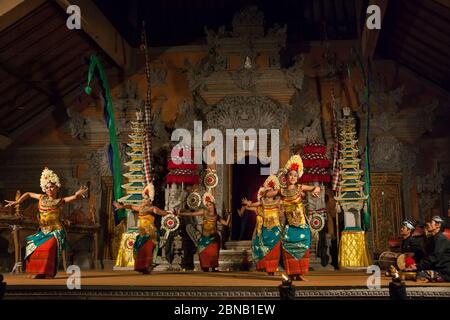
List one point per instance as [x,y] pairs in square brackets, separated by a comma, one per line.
[247,112]
[76,125]
[246,79]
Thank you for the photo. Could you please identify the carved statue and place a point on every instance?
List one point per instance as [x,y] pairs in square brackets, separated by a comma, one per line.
[77,124]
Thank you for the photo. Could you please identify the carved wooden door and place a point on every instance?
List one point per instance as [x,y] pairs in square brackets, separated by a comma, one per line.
[386,209]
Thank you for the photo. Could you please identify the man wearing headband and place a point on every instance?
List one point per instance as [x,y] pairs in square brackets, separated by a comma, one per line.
[411,245]
[435,267]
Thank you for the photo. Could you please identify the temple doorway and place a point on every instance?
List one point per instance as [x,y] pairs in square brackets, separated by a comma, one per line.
[246,180]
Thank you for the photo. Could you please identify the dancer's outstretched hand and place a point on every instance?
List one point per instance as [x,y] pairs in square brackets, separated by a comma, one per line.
[82,191]
[10,203]
[117,205]
[316,191]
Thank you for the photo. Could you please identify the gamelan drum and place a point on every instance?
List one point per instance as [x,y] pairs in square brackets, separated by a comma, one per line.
[387,259]
[401,261]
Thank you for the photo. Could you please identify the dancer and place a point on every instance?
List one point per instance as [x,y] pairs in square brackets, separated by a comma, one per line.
[208,245]
[44,248]
[267,235]
[296,237]
[146,244]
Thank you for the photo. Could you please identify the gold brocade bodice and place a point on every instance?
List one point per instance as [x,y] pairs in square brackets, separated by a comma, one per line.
[293,207]
[209,226]
[50,213]
[146,222]
[270,213]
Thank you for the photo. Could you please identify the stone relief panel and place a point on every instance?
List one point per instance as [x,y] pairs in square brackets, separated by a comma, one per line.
[245,79]
[295,75]
[76,125]
[161,137]
[187,114]
[127,100]
[99,167]
[247,112]
[248,40]
[429,189]
[304,120]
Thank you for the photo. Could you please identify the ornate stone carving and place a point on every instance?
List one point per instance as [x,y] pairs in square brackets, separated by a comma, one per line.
[129,90]
[76,125]
[279,33]
[161,138]
[126,100]
[248,22]
[247,112]
[304,120]
[158,76]
[294,75]
[385,154]
[429,188]
[245,78]
[187,114]
[195,75]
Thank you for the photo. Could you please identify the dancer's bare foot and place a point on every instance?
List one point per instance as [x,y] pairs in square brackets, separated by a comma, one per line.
[299,277]
[302,278]
[38,276]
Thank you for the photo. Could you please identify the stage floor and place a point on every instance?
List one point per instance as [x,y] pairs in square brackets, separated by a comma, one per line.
[211,285]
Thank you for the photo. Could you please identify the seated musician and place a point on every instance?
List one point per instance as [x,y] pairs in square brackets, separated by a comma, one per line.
[436,266]
[411,245]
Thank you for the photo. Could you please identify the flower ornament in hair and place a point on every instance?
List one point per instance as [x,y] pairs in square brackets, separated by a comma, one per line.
[272,182]
[149,192]
[261,193]
[295,163]
[47,177]
[208,197]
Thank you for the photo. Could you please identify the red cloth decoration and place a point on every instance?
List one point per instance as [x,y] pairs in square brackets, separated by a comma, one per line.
[393,243]
[190,166]
[321,163]
[409,261]
[447,233]
[314,149]
[183,179]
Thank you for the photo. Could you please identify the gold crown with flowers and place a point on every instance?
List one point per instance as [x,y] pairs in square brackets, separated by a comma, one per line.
[48,176]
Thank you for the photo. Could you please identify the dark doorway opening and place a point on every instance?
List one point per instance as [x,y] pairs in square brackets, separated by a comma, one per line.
[246,181]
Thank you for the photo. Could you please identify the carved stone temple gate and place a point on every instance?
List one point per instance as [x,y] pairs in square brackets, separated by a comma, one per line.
[241,85]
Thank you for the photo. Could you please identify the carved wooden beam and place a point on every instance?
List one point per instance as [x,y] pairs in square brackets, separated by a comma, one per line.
[97,26]
[369,38]
[14,10]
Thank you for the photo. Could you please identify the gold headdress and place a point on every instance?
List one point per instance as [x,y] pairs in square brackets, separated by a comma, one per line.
[208,197]
[48,176]
[261,193]
[272,182]
[149,192]
[295,163]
